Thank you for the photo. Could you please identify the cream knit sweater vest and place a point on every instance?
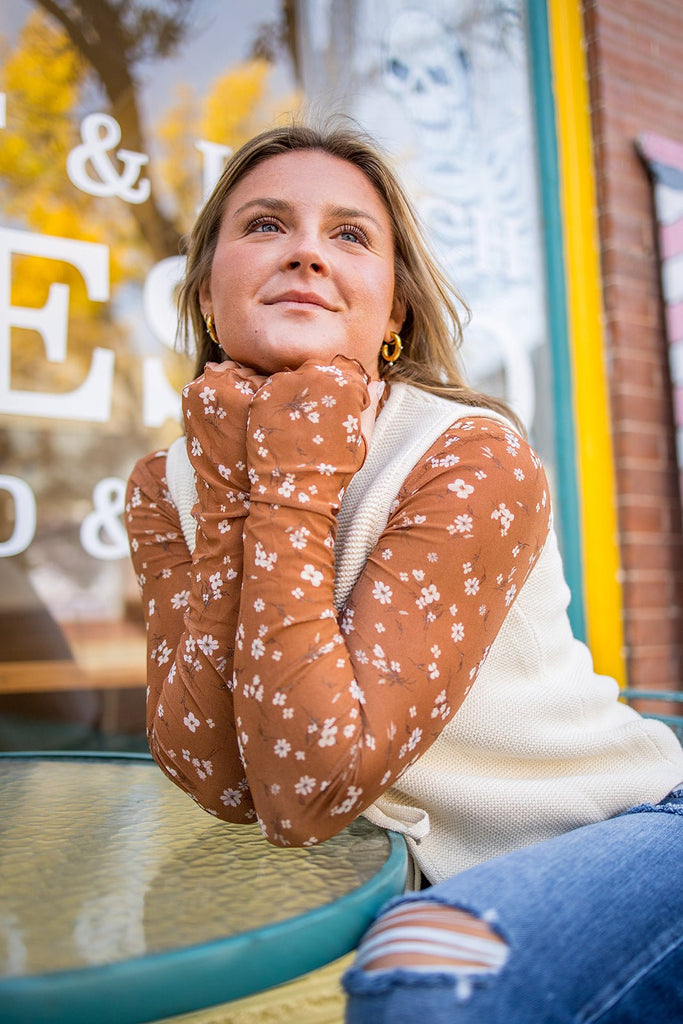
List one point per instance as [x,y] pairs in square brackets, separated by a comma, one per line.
[541,744]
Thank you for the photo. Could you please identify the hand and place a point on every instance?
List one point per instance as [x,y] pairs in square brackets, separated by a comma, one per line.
[305,428]
[215,409]
[246,372]
[369,415]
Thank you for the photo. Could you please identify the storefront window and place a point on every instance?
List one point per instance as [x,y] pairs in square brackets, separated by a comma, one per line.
[115,122]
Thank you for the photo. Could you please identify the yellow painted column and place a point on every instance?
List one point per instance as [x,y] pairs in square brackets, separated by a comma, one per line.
[601,570]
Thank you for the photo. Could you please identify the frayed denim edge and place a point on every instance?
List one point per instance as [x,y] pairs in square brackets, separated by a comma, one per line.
[430,896]
[356,981]
[665,806]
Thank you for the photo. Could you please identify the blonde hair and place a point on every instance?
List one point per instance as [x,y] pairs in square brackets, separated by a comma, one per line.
[432,329]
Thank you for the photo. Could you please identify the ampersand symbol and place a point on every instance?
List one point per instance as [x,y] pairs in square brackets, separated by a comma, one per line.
[94,149]
[108,501]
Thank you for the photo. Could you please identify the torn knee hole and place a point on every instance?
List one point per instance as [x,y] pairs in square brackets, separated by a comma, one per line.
[428,936]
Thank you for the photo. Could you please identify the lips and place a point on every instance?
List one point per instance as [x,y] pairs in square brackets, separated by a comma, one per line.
[301,298]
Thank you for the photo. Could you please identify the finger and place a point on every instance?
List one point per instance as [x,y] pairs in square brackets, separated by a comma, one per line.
[246,372]
[223,366]
[369,415]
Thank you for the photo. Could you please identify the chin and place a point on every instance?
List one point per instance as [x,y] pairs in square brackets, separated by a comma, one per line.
[287,359]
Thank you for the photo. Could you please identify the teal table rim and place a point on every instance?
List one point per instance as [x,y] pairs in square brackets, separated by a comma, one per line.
[181,981]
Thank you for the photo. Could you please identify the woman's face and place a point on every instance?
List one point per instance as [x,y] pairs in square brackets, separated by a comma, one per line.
[304,266]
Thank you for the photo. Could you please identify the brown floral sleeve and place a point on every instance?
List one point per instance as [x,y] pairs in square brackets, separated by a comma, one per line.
[262,699]
[330,712]
[191,604]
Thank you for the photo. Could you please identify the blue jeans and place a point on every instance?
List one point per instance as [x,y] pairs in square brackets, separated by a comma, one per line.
[593,921]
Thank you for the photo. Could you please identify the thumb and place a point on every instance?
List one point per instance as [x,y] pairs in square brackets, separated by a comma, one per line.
[369,415]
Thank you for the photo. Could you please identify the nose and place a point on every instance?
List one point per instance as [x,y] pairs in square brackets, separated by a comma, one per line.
[306,254]
[315,265]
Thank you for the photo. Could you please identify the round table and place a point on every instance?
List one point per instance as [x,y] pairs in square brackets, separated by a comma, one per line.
[121,901]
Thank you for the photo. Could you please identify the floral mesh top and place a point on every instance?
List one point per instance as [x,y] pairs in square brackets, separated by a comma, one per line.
[263,701]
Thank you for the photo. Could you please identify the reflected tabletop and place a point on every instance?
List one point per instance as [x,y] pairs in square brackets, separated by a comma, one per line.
[122,901]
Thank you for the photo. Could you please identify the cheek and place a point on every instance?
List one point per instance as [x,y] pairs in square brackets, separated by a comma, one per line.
[230,291]
[379,298]
[224,281]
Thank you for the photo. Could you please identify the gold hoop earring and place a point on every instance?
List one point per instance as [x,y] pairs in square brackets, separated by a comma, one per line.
[391,350]
[210,330]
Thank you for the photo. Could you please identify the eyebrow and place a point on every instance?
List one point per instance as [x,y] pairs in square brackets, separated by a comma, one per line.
[282,206]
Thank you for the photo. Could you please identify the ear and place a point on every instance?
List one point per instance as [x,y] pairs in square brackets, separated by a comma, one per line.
[205,303]
[397,317]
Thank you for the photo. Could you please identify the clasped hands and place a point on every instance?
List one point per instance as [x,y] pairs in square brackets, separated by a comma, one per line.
[230,403]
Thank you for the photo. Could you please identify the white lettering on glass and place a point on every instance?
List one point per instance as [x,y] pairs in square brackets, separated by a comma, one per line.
[24,516]
[102,533]
[94,150]
[92,400]
[214,155]
[158,298]
[160,401]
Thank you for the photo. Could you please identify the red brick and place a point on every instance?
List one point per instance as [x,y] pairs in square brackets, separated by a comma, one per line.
[635,19]
[636,344]
[629,64]
[650,482]
[643,370]
[634,406]
[645,552]
[635,336]
[666,51]
[653,669]
[652,630]
[622,264]
[647,590]
[644,445]
[628,193]
[642,518]
[645,99]
[657,707]
[630,233]
[633,307]
[635,61]
[590,22]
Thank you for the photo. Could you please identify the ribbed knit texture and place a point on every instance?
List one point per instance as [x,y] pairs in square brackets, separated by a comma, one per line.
[181,484]
[541,744]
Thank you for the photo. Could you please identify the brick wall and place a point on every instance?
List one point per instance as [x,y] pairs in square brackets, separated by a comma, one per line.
[635,60]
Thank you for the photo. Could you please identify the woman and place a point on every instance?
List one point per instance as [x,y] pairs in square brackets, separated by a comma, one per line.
[355,604]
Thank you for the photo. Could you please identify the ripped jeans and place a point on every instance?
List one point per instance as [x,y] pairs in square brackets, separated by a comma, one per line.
[586,928]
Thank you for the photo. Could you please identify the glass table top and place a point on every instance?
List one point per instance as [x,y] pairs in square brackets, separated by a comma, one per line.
[105,864]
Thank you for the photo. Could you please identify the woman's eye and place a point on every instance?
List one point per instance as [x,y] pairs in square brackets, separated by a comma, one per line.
[352,233]
[263,225]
